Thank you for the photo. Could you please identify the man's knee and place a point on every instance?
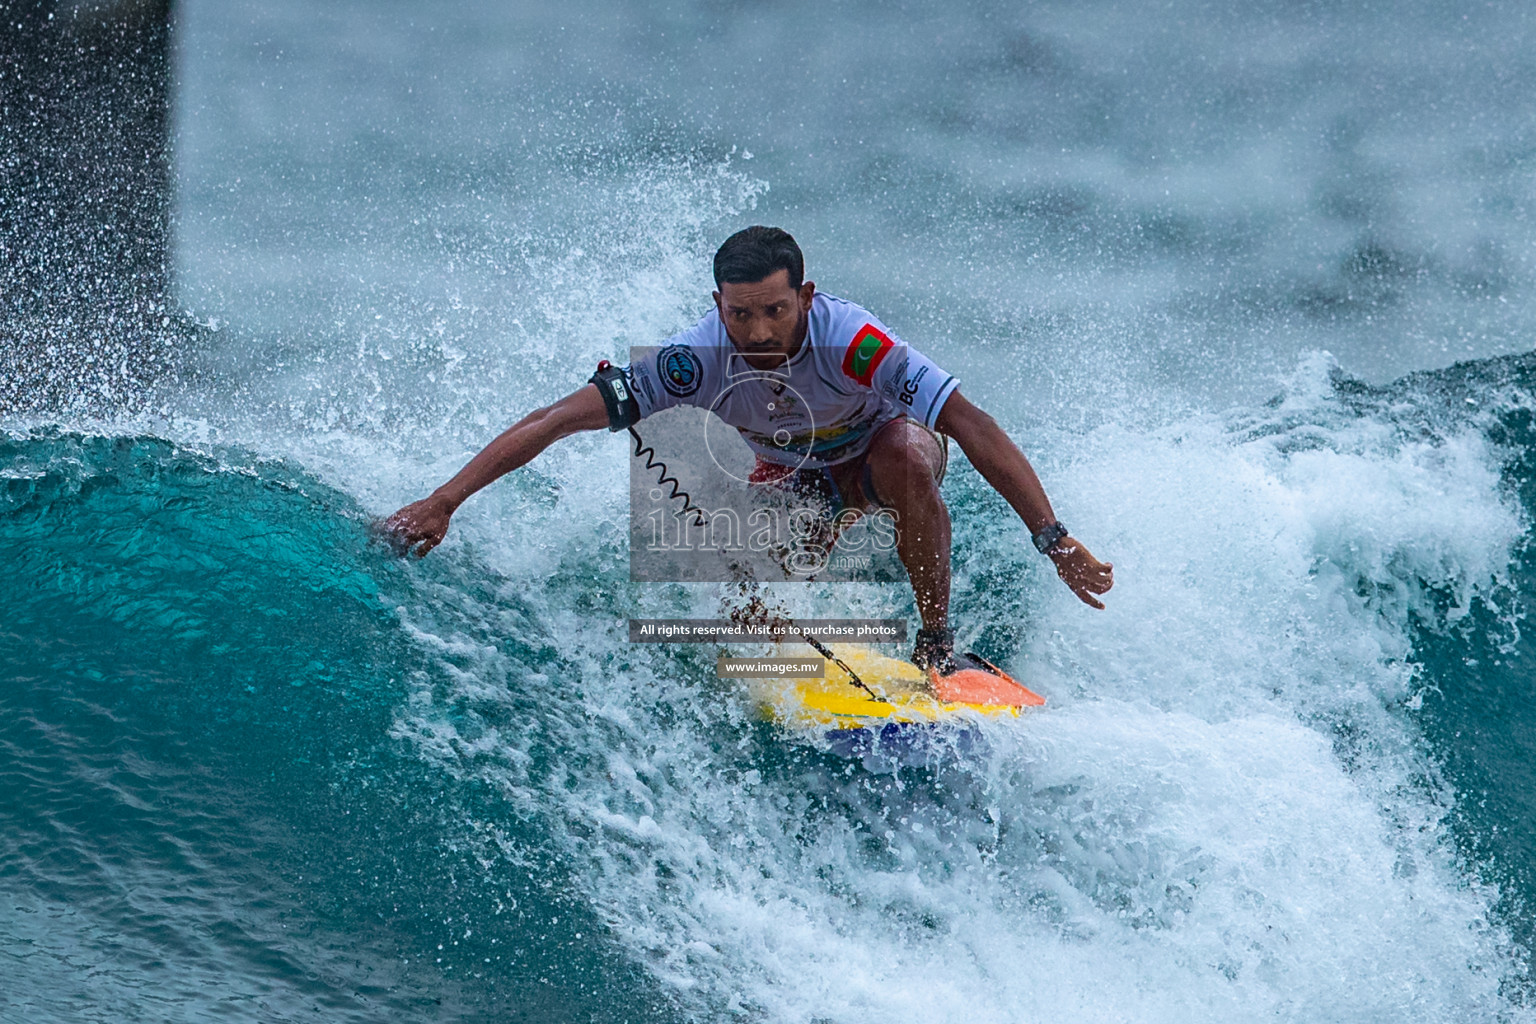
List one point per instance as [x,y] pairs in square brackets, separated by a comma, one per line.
[903,464]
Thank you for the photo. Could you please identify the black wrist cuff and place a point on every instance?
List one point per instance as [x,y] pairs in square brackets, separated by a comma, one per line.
[618,398]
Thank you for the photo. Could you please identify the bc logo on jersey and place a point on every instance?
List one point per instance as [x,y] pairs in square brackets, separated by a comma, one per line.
[865,352]
[680,370]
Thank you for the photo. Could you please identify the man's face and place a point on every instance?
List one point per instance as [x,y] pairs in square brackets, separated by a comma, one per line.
[765,319]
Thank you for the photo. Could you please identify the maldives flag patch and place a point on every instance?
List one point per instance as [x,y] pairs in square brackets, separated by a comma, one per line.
[868,347]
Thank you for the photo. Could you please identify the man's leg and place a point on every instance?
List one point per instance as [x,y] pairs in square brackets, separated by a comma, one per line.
[903,464]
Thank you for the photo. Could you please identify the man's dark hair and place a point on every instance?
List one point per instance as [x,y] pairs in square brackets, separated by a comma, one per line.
[751,254]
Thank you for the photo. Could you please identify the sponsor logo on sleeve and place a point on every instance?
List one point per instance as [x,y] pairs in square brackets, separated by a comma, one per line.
[909,387]
[680,370]
[892,386]
[639,376]
[865,353]
[642,377]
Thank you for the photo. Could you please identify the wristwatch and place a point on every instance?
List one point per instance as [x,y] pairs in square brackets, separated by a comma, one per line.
[1047,538]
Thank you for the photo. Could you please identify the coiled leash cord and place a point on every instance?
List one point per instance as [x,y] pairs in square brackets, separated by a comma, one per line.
[624,413]
[826,652]
[643,450]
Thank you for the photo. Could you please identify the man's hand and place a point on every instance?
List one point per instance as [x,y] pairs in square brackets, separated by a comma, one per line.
[421,525]
[1082,572]
[1002,465]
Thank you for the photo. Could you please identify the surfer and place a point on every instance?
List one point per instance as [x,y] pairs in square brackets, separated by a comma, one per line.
[824,394]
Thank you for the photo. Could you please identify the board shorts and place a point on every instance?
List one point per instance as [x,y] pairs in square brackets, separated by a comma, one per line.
[823,482]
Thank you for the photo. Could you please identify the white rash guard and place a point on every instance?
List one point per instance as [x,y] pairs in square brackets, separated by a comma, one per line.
[850,378]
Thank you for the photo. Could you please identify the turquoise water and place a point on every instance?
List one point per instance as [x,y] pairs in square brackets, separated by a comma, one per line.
[1253,290]
[258,767]
[203,665]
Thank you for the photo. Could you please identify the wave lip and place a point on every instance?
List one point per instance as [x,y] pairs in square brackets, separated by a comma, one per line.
[206,807]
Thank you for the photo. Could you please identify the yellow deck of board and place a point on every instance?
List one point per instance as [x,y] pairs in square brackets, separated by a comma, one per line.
[834,702]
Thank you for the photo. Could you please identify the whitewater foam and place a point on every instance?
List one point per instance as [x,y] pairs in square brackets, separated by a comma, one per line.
[1224,814]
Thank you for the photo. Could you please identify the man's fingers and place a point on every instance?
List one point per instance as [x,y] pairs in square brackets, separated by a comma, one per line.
[1086,575]
[386,531]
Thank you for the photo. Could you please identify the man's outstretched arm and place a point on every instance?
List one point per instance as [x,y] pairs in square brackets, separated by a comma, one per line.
[1003,465]
[422,525]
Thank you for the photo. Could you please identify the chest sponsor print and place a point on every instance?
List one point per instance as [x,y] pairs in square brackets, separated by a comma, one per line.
[909,388]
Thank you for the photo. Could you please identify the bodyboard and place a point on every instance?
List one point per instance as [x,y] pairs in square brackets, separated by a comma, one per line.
[902,694]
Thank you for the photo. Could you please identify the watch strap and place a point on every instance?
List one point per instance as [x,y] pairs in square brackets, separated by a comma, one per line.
[1047,537]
